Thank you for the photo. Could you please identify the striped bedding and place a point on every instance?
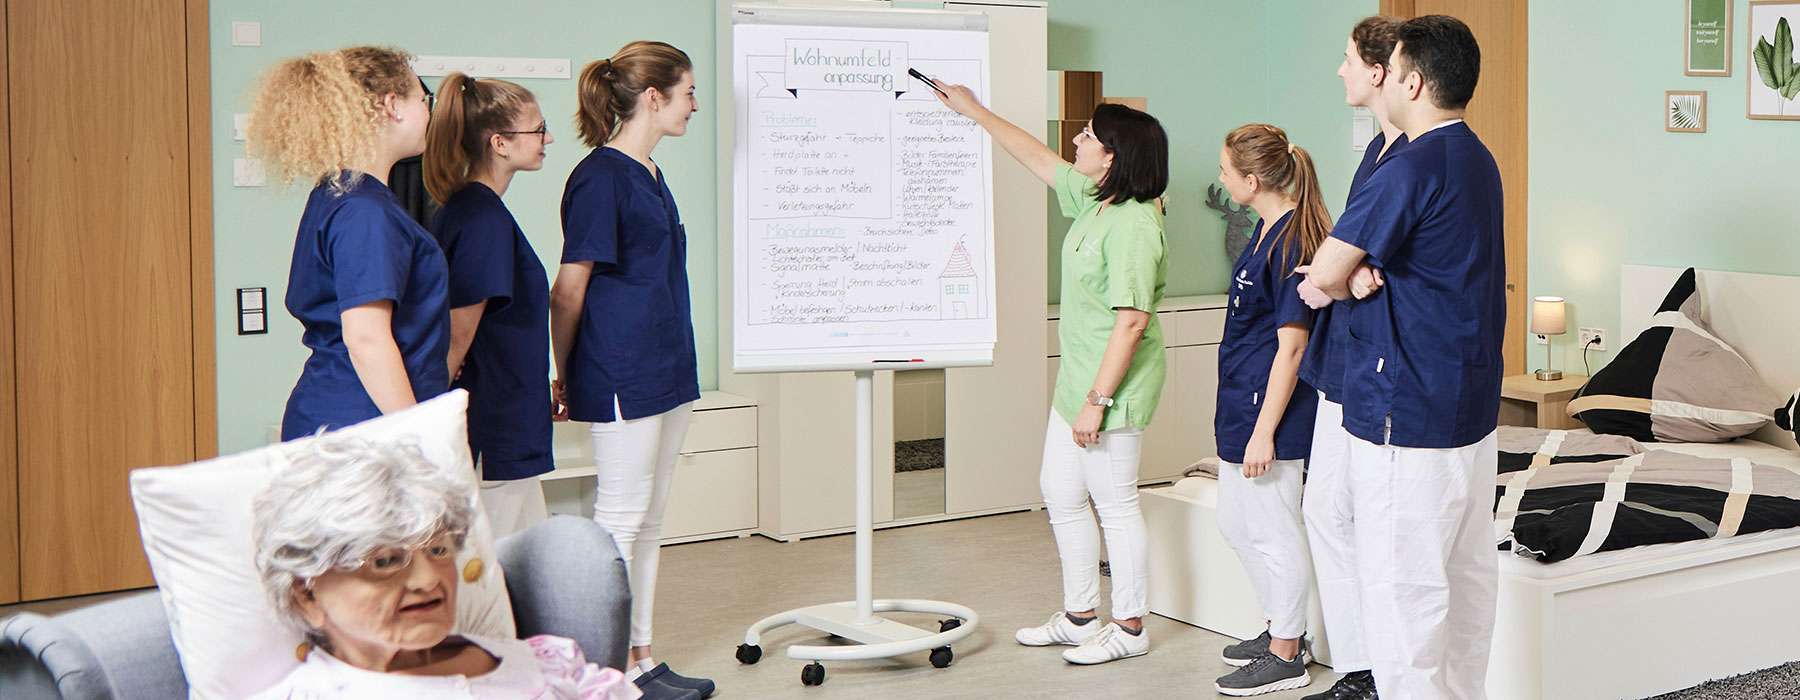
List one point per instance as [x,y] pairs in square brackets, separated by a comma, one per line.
[1564,494]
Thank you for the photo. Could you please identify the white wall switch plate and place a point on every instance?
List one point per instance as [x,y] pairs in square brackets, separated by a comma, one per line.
[246,34]
[239,124]
[1593,334]
[248,172]
[492,67]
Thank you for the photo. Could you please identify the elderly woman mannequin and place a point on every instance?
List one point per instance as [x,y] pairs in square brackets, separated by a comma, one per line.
[356,543]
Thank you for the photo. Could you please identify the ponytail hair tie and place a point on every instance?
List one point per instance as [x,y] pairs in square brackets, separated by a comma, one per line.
[1290,149]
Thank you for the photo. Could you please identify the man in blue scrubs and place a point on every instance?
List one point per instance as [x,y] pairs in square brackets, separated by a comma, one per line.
[1422,365]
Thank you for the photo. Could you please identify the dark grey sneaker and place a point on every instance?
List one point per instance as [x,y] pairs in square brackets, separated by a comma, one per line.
[1244,652]
[1267,674]
[1356,685]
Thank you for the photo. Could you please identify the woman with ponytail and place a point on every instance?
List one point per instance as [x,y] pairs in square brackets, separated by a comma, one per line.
[620,317]
[366,282]
[482,133]
[1264,420]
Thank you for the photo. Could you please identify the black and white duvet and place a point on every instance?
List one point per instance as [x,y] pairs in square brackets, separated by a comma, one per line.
[1565,494]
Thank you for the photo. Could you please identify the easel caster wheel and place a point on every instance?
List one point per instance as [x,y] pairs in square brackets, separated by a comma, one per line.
[941,657]
[749,653]
[947,625]
[812,674]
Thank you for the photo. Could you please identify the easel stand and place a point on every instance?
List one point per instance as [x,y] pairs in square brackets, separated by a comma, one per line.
[876,637]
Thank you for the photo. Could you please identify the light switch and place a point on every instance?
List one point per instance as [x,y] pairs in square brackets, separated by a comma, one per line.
[246,34]
[247,172]
[1362,129]
[253,311]
[240,123]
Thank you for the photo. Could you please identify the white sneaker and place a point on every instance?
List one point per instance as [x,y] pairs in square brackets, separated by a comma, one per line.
[1110,644]
[1058,630]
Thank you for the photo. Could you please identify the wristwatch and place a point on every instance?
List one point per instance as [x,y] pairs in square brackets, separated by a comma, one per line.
[1095,399]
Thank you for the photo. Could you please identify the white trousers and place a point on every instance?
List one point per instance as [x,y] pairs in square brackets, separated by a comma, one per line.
[1106,473]
[513,505]
[635,462]
[1330,532]
[1425,555]
[1260,517]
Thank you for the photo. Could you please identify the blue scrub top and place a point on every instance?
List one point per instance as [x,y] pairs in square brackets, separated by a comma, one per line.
[635,343]
[507,368]
[1264,297]
[1323,365]
[1422,359]
[356,248]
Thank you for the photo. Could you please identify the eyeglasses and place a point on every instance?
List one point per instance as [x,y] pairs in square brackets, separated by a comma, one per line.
[542,131]
[1087,132]
[430,97]
[388,561]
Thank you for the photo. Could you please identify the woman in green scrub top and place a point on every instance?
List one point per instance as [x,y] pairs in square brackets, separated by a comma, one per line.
[1113,265]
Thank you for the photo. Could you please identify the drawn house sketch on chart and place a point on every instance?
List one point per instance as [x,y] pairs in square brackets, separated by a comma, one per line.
[860,191]
[959,288]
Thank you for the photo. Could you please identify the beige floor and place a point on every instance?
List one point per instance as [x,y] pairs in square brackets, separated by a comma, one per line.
[1004,567]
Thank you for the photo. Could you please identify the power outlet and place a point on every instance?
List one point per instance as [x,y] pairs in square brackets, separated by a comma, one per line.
[1540,338]
[1597,336]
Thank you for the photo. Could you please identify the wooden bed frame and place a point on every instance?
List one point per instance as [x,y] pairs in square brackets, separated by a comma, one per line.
[1651,626]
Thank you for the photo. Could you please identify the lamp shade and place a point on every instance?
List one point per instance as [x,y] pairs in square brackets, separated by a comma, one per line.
[1547,316]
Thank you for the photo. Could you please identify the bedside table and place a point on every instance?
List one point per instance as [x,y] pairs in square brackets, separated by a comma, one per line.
[1528,402]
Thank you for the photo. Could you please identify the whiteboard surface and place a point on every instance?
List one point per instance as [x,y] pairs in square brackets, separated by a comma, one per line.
[862,206]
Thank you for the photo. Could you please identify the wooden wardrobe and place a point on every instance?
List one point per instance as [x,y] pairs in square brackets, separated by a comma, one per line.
[106,319]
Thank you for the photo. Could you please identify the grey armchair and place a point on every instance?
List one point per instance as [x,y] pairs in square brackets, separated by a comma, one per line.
[564,576]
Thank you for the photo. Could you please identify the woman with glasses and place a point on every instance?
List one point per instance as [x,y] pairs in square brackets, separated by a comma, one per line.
[367,282]
[620,316]
[482,133]
[356,544]
[1111,376]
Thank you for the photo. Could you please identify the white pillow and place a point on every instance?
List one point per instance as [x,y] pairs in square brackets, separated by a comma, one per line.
[195,521]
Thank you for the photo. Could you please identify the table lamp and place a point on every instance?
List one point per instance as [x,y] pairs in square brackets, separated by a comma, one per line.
[1547,320]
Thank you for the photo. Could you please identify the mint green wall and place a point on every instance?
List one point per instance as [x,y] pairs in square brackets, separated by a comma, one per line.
[1609,186]
[1206,68]
[254,228]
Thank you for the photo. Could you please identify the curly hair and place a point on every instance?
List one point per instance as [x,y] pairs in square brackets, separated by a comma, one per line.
[316,116]
[341,498]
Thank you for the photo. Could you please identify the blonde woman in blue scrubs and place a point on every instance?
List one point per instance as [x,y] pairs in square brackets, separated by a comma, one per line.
[1111,377]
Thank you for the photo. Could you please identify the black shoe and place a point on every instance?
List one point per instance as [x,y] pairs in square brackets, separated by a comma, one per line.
[702,686]
[654,684]
[1356,685]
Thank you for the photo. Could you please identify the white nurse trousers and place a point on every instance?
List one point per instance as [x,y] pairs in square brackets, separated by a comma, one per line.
[635,463]
[1332,538]
[1107,473]
[1425,556]
[512,505]
[1260,517]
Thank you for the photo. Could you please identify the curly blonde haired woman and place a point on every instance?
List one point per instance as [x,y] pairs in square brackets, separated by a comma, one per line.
[367,282]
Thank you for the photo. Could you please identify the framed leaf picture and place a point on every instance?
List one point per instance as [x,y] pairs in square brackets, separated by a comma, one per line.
[1684,111]
[1774,74]
[1708,51]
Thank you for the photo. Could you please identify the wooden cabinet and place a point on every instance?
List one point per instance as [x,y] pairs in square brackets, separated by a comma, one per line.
[1527,401]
